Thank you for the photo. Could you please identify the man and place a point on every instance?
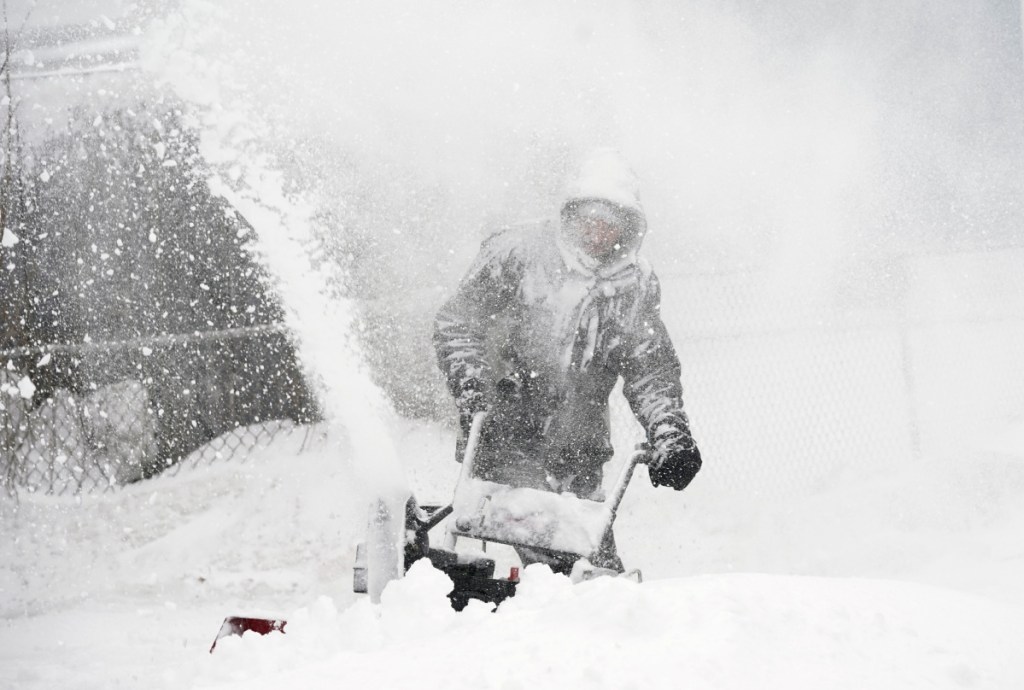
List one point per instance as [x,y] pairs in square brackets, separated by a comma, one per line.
[548,318]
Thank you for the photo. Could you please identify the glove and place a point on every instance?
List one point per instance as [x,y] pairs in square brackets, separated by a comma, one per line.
[470,400]
[676,469]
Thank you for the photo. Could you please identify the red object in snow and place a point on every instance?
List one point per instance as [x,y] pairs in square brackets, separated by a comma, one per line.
[513,574]
[236,625]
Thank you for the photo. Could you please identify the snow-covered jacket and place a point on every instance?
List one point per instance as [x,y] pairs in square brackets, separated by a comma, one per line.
[548,333]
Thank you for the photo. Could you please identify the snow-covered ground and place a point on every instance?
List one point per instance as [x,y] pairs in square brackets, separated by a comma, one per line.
[907,581]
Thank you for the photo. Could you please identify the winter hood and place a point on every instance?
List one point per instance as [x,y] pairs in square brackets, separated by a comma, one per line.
[604,175]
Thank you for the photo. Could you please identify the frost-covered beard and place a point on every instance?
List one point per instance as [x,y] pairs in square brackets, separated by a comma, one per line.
[586,256]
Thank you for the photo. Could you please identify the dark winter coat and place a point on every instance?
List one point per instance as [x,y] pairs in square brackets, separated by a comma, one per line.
[547,337]
[550,343]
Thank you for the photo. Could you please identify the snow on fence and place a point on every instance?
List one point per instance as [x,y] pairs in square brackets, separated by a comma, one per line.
[91,416]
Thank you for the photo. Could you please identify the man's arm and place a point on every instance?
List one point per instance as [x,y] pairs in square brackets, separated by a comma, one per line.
[460,328]
[651,376]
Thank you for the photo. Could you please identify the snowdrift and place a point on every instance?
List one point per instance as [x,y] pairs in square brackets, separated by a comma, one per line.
[734,631]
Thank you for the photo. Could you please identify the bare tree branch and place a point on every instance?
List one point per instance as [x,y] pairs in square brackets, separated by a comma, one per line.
[5,182]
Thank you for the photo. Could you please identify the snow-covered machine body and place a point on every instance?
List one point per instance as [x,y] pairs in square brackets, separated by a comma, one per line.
[562,526]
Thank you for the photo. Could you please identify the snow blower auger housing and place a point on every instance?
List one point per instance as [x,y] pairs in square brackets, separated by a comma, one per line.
[560,526]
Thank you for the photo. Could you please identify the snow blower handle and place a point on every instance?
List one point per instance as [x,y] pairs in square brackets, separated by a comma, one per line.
[472,442]
[641,455]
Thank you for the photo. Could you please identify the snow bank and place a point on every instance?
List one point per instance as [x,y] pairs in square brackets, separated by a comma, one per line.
[740,631]
[273,529]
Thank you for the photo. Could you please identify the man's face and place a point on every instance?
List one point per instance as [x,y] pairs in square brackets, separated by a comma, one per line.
[599,228]
[598,237]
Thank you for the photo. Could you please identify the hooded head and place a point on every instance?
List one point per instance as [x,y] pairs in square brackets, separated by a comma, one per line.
[602,221]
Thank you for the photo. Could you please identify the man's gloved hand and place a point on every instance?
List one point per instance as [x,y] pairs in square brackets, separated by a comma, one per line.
[471,399]
[676,469]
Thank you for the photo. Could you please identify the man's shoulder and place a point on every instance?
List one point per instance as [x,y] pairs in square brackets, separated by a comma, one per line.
[646,270]
[647,283]
[517,239]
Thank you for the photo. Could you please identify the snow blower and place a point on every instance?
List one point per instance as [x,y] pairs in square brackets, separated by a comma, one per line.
[558,526]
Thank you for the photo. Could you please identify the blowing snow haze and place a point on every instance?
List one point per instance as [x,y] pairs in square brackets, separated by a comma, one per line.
[800,134]
[833,195]
[763,133]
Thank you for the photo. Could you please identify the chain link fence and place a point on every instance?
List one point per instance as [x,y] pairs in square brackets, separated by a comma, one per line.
[89,417]
[787,389]
[784,392]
